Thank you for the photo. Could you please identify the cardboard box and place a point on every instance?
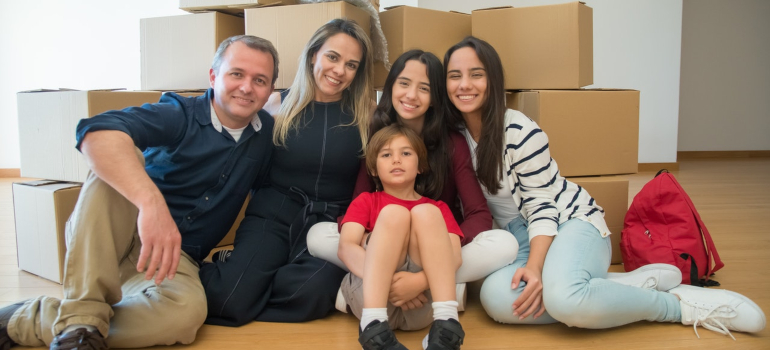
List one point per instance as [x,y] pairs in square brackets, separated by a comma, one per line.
[233,7]
[47,121]
[542,47]
[289,28]
[176,51]
[611,193]
[407,28]
[41,209]
[591,132]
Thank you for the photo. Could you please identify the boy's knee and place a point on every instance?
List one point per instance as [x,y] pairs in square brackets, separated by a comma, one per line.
[394,210]
[425,210]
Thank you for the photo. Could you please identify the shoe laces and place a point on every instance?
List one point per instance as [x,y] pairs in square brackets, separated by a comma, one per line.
[710,318]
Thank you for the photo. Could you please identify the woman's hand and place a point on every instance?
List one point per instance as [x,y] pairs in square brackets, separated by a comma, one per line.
[406,290]
[531,299]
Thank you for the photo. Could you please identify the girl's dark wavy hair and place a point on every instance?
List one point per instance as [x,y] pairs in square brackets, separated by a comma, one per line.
[489,153]
[435,131]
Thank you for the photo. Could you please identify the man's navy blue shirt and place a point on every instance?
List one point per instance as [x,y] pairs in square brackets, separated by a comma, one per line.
[203,174]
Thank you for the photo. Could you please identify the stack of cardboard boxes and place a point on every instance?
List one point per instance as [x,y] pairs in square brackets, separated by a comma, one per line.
[546,52]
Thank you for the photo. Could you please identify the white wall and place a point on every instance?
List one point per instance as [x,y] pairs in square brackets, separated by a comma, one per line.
[637,45]
[81,44]
[725,98]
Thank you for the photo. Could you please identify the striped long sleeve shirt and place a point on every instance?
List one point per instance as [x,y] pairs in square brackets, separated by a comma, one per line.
[544,198]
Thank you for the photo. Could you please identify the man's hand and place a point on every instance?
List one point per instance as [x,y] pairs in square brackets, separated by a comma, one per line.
[531,299]
[161,242]
[406,290]
[112,156]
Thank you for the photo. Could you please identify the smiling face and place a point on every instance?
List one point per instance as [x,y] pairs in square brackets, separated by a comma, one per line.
[397,164]
[242,84]
[467,82]
[411,94]
[334,66]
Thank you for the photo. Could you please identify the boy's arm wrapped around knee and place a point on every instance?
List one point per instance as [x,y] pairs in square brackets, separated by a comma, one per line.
[350,250]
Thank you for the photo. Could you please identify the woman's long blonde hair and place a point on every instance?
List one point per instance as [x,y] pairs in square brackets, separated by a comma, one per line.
[358,98]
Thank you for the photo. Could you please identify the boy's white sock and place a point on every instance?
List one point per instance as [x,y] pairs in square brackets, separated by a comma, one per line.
[444,310]
[370,314]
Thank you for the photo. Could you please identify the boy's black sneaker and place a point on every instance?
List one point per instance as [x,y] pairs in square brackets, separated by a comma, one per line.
[377,335]
[444,335]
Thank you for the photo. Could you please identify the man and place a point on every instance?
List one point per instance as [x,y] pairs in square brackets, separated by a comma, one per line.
[145,220]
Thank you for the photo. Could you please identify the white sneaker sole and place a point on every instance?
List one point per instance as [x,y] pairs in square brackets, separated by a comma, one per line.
[666,277]
[340,304]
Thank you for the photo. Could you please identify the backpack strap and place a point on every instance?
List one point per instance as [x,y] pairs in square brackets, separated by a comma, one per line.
[711,250]
[694,280]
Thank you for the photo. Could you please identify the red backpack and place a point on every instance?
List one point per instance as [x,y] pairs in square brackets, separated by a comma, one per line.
[662,226]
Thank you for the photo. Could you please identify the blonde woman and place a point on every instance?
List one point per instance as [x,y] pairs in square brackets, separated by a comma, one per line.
[321,126]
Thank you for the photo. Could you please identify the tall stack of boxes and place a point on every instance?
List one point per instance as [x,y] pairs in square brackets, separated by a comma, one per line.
[47,120]
[547,55]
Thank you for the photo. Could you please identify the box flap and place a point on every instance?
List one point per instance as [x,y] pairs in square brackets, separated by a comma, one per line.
[42,183]
[494,8]
[395,7]
[574,90]
[37,182]
[233,7]
[68,89]
[47,90]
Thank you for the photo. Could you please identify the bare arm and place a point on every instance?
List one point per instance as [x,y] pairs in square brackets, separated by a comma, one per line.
[406,290]
[112,156]
[350,250]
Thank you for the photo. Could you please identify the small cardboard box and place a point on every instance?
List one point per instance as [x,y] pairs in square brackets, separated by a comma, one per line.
[233,7]
[611,193]
[289,28]
[407,28]
[591,132]
[41,210]
[542,47]
[176,51]
[47,121]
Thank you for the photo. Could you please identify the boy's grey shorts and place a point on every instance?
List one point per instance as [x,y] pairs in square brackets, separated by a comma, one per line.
[410,320]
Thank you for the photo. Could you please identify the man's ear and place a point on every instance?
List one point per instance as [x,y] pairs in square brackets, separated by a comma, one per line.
[212,77]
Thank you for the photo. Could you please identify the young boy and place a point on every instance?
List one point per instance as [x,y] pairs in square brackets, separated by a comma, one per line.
[396,229]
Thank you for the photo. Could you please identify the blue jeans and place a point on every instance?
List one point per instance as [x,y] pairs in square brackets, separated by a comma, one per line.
[575,291]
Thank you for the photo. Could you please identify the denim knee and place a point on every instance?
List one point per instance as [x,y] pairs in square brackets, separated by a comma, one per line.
[497,297]
[566,301]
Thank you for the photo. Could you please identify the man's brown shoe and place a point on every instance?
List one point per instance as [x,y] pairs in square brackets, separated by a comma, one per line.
[79,339]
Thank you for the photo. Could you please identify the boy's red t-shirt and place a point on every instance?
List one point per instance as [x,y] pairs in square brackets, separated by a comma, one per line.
[367,206]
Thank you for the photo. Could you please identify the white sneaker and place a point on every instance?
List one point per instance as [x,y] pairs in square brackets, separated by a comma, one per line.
[340,303]
[718,310]
[460,289]
[660,277]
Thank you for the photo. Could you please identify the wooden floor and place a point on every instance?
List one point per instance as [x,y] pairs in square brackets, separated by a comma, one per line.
[732,195]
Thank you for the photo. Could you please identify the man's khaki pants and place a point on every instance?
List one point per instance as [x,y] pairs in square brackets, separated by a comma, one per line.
[102,287]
